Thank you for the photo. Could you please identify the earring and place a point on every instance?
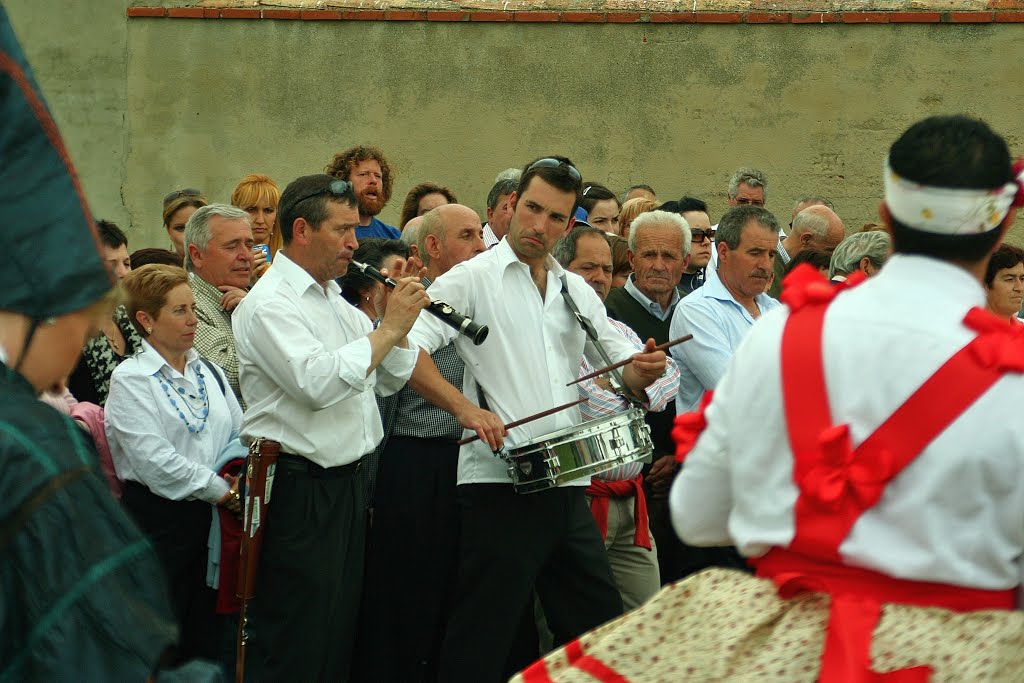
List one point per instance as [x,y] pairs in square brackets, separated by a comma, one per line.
[149,330]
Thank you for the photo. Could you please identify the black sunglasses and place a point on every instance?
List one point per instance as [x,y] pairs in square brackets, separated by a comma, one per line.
[555,163]
[338,188]
[698,235]
[187,192]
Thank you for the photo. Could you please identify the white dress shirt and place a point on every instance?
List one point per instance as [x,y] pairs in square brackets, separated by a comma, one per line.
[150,443]
[303,356]
[534,348]
[954,515]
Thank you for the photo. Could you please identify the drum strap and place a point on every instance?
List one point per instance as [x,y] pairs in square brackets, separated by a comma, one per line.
[618,385]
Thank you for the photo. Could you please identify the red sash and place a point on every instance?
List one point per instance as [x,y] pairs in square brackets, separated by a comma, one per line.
[838,483]
[601,490]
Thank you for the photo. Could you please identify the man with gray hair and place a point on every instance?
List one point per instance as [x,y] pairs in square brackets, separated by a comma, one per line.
[499,210]
[659,243]
[411,235]
[816,227]
[748,186]
[218,254]
[866,252]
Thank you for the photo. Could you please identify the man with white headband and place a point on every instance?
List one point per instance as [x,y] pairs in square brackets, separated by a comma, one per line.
[873,478]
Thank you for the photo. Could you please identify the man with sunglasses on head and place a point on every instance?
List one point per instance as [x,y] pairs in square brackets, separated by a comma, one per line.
[308,366]
[513,545]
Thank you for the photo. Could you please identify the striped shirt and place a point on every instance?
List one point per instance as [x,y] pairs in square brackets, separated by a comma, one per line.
[602,402]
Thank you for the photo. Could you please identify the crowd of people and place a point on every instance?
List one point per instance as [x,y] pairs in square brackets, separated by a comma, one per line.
[392,550]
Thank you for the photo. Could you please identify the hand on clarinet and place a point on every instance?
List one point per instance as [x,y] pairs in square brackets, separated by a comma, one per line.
[404,303]
[488,426]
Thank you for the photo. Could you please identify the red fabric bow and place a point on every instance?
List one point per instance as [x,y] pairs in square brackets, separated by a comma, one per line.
[1000,342]
[1018,177]
[689,427]
[838,475]
[807,286]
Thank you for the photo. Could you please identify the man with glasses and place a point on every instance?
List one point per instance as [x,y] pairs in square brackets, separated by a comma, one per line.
[308,366]
[515,544]
[695,213]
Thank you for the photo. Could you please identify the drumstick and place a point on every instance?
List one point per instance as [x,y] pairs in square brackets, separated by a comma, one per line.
[510,425]
[659,347]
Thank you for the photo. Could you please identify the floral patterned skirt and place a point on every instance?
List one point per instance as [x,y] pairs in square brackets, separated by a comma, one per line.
[723,625]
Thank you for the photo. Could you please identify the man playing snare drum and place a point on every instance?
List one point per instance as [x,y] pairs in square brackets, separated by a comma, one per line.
[513,544]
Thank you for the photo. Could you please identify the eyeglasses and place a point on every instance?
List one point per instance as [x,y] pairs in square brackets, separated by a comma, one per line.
[187,192]
[698,235]
[744,201]
[555,163]
[337,188]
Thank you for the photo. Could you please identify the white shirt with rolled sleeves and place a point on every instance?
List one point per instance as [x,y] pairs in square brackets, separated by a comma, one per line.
[303,356]
[955,515]
[149,442]
[534,348]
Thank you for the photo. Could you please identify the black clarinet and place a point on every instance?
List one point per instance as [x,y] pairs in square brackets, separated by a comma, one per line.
[439,309]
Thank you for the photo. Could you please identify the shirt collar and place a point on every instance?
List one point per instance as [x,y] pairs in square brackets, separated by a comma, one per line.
[652,306]
[506,257]
[204,289]
[716,289]
[151,362]
[299,279]
[782,253]
[933,281]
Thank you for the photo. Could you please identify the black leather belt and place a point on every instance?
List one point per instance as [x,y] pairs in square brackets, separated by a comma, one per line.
[296,463]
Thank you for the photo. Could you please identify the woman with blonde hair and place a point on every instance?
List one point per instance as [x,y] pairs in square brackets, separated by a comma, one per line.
[630,210]
[258,195]
[178,208]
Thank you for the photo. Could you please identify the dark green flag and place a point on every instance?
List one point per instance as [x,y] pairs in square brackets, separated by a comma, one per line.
[51,263]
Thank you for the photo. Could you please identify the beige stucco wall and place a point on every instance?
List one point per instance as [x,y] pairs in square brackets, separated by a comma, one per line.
[677,106]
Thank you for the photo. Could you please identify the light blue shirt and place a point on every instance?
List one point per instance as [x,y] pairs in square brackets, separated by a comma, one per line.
[653,307]
[718,324]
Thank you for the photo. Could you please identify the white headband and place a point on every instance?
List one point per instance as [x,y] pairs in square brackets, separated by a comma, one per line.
[947,211]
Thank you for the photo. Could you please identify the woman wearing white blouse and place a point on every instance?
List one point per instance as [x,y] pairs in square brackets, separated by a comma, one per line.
[168,419]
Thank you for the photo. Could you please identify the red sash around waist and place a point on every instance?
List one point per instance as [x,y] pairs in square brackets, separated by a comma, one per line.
[601,490]
[857,598]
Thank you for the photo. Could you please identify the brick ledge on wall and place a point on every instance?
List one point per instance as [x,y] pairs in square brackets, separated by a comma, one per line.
[805,18]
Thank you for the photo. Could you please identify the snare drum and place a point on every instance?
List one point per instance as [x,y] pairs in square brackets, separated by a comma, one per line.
[578,452]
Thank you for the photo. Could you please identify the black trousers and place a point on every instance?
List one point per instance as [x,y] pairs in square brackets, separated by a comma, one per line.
[411,561]
[511,545]
[179,531]
[303,614]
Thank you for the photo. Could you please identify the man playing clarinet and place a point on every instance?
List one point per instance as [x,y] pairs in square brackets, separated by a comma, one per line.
[512,544]
[308,364]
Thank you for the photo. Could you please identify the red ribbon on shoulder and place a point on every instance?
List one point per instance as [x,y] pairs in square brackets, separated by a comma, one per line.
[1000,342]
[689,427]
[807,286]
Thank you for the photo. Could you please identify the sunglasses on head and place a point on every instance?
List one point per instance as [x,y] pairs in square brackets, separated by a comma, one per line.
[187,192]
[336,188]
[698,235]
[555,163]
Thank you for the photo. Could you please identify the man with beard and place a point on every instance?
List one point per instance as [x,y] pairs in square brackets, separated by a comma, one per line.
[695,213]
[372,181]
[720,313]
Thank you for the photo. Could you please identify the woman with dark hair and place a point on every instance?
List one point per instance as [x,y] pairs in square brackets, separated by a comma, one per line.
[1004,281]
[117,338]
[360,290]
[602,207]
[621,267]
[423,198]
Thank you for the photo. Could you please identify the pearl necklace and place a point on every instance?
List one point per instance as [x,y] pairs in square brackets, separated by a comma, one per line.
[197,406]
